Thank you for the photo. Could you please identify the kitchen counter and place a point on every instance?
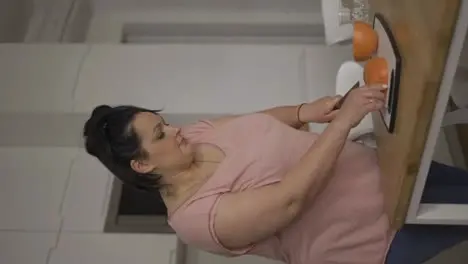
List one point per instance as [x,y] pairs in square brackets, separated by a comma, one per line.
[423,30]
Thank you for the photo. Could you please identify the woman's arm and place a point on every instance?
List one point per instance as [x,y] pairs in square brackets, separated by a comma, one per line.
[250,216]
[286,114]
[253,215]
[319,111]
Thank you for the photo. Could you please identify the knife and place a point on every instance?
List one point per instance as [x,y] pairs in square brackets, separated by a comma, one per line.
[341,101]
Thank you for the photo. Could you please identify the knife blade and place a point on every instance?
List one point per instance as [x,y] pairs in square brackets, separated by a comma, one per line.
[341,101]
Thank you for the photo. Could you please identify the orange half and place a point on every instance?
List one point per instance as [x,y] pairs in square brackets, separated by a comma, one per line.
[376,71]
[365,41]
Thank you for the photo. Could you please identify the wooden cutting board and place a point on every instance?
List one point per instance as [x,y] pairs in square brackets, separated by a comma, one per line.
[423,31]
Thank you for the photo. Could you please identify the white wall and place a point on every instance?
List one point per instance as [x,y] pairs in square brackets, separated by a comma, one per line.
[68,20]
[250,5]
[14,19]
[108,27]
[193,79]
[189,81]
[59,21]
[111,16]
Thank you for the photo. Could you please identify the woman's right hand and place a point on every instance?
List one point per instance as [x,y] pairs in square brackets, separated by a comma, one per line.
[361,102]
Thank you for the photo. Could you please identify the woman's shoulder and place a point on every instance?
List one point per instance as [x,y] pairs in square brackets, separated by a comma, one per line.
[197,130]
[221,121]
[200,125]
[204,127]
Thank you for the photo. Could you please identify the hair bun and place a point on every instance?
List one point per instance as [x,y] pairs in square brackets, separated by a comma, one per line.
[93,129]
[101,111]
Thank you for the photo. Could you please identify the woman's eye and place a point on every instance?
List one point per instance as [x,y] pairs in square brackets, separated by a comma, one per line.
[162,135]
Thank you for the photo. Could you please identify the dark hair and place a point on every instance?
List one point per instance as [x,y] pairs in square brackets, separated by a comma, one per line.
[110,137]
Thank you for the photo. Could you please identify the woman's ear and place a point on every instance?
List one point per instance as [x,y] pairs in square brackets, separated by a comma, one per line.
[141,166]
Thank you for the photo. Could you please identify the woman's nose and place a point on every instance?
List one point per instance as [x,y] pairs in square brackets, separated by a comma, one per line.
[174,131]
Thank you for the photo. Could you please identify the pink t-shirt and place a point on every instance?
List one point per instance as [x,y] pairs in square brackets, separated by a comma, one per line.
[345,223]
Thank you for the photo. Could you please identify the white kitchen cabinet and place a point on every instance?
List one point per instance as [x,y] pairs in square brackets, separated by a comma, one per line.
[32,186]
[87,196]
[25,248]
[192,78]
[115,249]
[39,78]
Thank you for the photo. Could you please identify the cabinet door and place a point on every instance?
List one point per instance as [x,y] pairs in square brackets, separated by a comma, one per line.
[87,196]
[39,78]
[192,78]
[114,249]
[32,186]
[25,248]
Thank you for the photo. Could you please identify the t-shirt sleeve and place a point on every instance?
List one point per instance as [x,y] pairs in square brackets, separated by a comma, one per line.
[195,225]
[198,130]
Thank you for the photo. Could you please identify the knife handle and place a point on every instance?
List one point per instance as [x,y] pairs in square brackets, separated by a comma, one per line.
[341,101]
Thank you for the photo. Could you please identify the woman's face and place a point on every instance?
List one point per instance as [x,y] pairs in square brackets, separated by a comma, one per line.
[167,151]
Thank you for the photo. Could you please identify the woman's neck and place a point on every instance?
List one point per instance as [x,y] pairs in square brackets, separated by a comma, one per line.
[186,183]
[192,178]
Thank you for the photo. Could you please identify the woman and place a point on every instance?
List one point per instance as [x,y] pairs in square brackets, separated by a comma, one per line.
[254,184]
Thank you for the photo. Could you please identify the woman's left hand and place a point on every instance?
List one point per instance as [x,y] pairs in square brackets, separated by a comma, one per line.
[319,111]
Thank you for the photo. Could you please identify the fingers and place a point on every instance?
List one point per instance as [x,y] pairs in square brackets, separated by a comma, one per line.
[375,105]
[380,87]
[375,92]
[330,116]
[375,95]
[334,100]
[375,88]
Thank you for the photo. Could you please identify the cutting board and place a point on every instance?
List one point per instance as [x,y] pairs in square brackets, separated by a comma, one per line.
[388,49]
